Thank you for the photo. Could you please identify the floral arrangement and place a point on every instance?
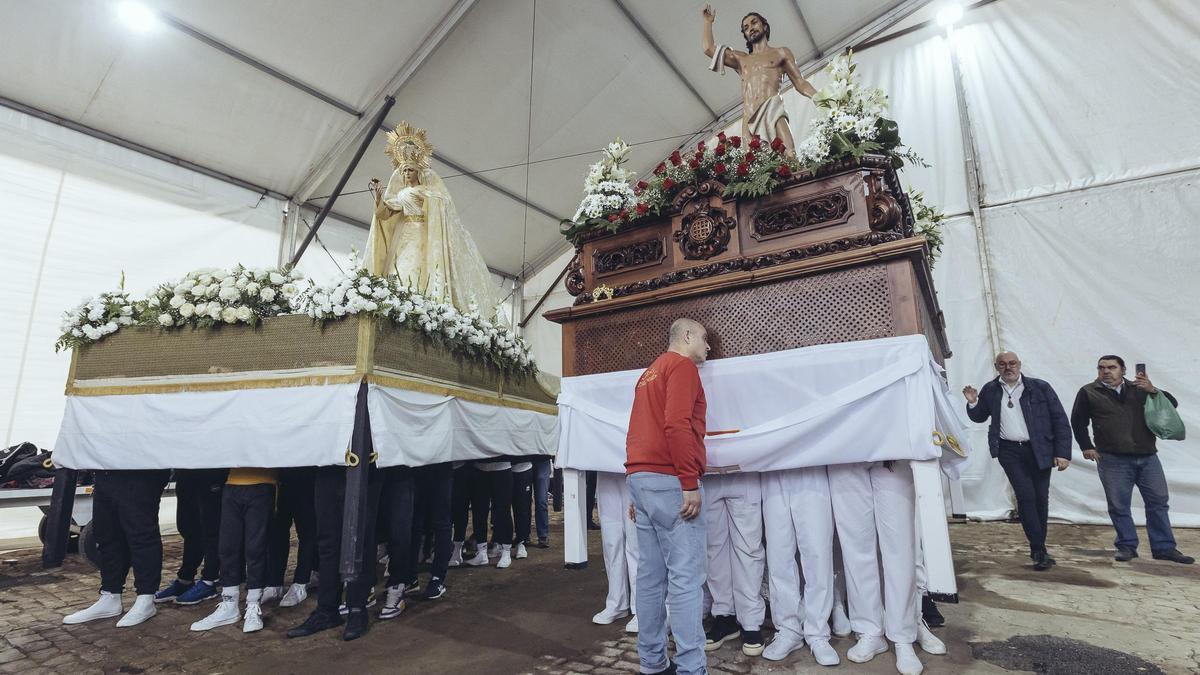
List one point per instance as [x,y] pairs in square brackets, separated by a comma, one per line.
[928,223]
[392,299]
[203,298]
[854,124]
[96,317]
[746,168]
[608,186]
[208,297]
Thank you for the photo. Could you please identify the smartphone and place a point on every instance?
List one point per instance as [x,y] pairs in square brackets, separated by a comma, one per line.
[1139,368]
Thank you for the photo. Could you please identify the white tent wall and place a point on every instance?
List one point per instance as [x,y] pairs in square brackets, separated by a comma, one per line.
[78,213]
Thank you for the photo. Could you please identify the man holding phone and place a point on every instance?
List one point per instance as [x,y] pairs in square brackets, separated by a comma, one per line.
[1125,455]
[1029,434]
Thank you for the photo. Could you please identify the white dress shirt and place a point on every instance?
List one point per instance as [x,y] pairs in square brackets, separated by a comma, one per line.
[1012,420]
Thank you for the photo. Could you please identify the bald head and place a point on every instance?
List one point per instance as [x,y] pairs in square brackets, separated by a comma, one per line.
[1009,367]
[689,338]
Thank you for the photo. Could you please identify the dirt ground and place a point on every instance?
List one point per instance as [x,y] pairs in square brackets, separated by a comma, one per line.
[1087,615]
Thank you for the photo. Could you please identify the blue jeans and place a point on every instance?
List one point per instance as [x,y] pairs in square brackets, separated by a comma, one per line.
[1118,475]
[541,493]
[672,553]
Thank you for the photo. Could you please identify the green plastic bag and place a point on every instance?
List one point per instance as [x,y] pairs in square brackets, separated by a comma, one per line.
[1163,419]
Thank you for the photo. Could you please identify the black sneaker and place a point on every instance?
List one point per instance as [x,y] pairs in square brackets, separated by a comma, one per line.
[752,642]
[1125,554]
[1174,556]
[1042,562]
[543,543]
[929,612]
[724,628]
[434,589]
[315,623]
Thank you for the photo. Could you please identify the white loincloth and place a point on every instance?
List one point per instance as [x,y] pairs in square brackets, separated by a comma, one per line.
[765,119]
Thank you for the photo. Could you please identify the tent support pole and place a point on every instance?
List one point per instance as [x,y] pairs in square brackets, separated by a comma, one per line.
[337,190]
[974,192]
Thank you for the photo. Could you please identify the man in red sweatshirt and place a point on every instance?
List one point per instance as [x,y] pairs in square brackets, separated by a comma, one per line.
[664,461]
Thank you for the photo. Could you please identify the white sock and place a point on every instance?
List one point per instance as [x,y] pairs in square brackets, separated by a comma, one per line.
[254,595]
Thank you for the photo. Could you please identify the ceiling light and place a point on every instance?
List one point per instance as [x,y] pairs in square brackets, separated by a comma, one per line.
[949,14]
[137,16]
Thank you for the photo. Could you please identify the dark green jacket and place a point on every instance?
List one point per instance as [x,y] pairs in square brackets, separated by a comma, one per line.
[1118,422]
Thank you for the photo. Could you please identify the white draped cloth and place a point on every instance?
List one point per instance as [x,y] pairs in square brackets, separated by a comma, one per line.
[290,426]
[862,401]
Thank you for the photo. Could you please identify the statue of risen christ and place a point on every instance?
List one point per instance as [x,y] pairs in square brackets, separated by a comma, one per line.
[761,68]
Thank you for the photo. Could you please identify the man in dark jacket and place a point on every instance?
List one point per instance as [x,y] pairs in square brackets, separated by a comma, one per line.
[1126,456]
[1029,434]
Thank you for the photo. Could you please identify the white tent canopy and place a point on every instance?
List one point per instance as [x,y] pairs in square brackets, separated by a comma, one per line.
[160,151]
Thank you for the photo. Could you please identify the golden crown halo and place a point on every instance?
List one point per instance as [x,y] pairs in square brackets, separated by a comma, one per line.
[408,146]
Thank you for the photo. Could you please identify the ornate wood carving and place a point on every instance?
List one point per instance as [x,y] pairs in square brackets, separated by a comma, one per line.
[826,208]
[883,211]
[704,232]
[750,263]
[574,280]
[635,255]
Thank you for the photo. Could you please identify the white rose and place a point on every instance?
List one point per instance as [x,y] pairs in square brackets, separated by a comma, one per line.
[186,310]
[277,278]
[289,289]
[229,293]
[205,279]
[76,332]
[91,332]
[339,311]
[177,301]
[244,313]
[166,320]
[228,281]
[214,310]
[267,294]
[252,288]
[229,315]
[211,291]
[198,290]
[155,301]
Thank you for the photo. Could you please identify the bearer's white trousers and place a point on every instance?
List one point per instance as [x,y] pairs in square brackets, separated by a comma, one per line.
[874,509]
[618,538]
[799,516]
[733,513]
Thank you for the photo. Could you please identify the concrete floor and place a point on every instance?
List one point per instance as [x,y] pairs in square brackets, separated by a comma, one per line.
[534,617]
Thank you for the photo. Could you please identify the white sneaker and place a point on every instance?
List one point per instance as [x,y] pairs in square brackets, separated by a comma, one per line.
[824,653]
[271,593]
[143,608]
[632,626]
[295,595]
[393,605]
[505,556]
[522,553]
[456,554]
[225,614]
[782,645]
[866,648]
[907,662]
[108,605]
[930,644]
[840,623]
[605,617]
[252,622]
[481,556]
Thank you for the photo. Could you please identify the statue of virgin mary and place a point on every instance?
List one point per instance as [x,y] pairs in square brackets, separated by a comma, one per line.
[416,233]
